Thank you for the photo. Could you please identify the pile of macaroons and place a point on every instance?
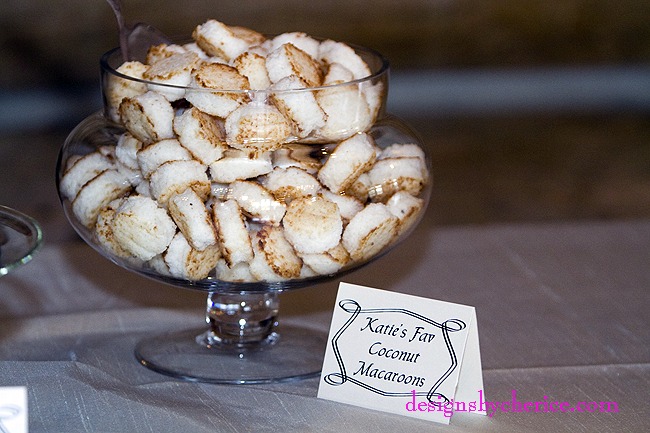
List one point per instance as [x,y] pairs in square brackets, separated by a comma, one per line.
[252,162]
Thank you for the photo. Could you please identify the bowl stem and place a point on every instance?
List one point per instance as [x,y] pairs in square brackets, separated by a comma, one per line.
[241,320]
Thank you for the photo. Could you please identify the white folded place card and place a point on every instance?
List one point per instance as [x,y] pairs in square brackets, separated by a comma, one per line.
[402,354]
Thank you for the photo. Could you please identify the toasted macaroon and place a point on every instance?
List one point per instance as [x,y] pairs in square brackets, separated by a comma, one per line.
[257,127]
[193,219]
[298,105]
[337,52]
[148,117]
[240,165]
[328,262]
[401,150]
[142,228]
[158,52]
[154,155]
[253,66]
[375,96]
[119,88]
[97,193]
[288,60]
[126,150]
[208,79]
[252,37]
[257,202]
[370,231]
[360,188]
[275,259]
[194,47]
[348,205]
[348,161]
[313,224]
[238,273]
[175,177]
[134,176]
[158,265]
[406,150]
[298,39]
[189,263]
[345,105]
[296,155]
[174,73]
[104,231]
[231,230]
[83,170]
[201,134]
[287,184]
[406,208]
[390,175]
[218,39]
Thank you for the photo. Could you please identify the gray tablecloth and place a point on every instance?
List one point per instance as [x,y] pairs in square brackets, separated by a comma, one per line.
[562,312]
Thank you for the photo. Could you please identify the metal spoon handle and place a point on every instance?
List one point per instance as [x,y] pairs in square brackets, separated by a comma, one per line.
[116,5]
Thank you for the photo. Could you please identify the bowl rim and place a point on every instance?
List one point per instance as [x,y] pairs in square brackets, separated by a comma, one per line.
[382,70]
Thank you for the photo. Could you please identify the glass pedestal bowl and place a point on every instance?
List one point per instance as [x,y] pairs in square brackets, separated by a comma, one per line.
[315,198]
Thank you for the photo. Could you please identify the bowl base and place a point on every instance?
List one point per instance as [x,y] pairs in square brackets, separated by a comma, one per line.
[293,353]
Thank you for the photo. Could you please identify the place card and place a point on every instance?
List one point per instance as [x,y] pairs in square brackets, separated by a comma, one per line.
[402,354]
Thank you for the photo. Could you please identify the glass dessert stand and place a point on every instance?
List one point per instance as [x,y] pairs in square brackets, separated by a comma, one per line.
[20,238]
[242,341]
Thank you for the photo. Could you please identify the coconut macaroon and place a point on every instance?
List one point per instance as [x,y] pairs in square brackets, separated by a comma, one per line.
[370,231]
[175,177]
[238,273]
[275,258]
[331,52]
[296,155]
[218,39]
[148,117]
[257,127]
[401,150]
[257,202]
[298,104]
[104,231]
[313,224]
[201,134]
[360,188]
[189,263]
[390,175]
[300,40]
[231,230]
[239,165]
[253,66]
[406,208]
[291,183]
[157,154]
[83,170]
[162,51]
[348,205]
[207,80]
[192,218]
[345,105]
[288,60]
[173,72]
[141,227]
[126,150]
[252,37]
[348,161]
[97,193]
[329,262]
[119,88]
